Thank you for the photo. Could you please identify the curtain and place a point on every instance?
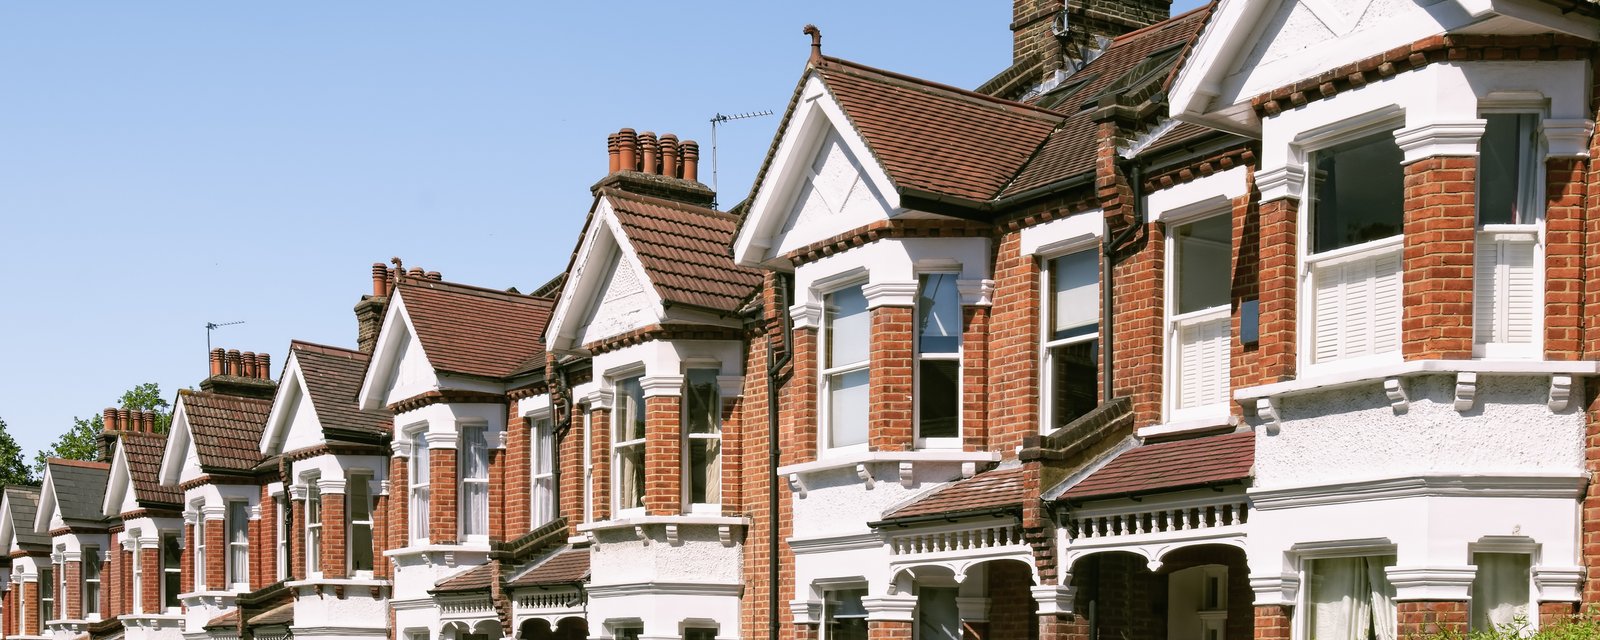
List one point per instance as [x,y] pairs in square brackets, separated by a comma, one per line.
[1351,599]
[1500,591]
[1384,624]
[714,471]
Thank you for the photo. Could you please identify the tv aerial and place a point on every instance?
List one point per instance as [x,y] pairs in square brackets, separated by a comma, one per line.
[719,119]
[213,326]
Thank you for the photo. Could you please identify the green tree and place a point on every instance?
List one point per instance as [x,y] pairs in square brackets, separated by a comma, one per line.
[147,397]
[13,467]
[82,441]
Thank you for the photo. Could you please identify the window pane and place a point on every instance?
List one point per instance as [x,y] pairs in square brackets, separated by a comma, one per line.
[1204,269]
[844,617]
[937,615]
[1350,596]
[1500,169]
[1074,295]
[419,458]
[360,498]
[1074,380]
[849,327]
[705,470]
[361,547]
[475,459]
[847,408]
[938,398]
[699,634]
[475,500]
[1358,191]
[702,406]
[630,414]
[1500,591]
[171,569]
[630,477]
[939,314]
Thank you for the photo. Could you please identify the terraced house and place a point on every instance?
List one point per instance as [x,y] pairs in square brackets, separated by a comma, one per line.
[1274,319]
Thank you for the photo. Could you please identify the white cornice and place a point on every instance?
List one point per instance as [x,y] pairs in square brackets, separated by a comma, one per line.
[1440,485]
[1431,583]
[1427,140]
[1568,138]
[890,294]
[830,544]
[1276,183]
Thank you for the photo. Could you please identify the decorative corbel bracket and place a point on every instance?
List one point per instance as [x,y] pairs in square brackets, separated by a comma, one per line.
[1267,410]
[797,484]
[1396,390]
[725,534]
[865,473]
[1560,392]
[969,469]
[1466,390]
[638,532]
[908,475]
[672,535]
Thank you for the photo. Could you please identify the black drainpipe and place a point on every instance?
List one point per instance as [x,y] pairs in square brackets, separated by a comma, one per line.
[775,366]
[1111,251]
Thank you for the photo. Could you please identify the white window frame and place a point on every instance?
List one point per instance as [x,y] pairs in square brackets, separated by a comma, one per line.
[1304,554]
[418,496]
[282,533]
[238,577]
[1173,388]
[1047,409]
[824,392]
[619,447]
[543,493]
[827,605]
[313,533]
[54,611]
[687,479]
[130,540]
[1517,545]
[176,568]
[199,563]
[957,357]
[588,465]
[90,602]
[359,478]
[464,519]
[1531,192]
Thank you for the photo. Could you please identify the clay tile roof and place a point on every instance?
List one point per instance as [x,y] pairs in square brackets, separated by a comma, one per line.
[474,331]
[226,429]
[144,451]
[281,615]
[564,567]
[685,252]
[80,488]
[24,500]
[333,377]
[937,138]
[1169,466]
[987,491]
[478,578]
[226,620]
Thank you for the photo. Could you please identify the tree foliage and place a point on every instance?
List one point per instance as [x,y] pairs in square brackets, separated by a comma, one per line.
[82,441]
[13,467]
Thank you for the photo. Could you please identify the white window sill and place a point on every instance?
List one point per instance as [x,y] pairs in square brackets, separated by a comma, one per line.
[1193,425]
[421,549]
[854,458]
[145,618]
[338,582]
[1417,367]
[683,520]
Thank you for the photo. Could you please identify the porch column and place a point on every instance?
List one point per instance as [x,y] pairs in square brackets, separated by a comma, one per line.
[1431,600]
[1056,619]
[890,617]
[1559,592]
[1275,596]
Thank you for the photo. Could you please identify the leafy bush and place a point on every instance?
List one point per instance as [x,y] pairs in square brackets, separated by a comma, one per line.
[1582,627]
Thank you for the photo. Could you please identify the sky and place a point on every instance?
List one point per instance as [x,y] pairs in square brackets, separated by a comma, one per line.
[165,165]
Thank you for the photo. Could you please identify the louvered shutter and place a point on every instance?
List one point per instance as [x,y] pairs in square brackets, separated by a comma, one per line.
[1519,274]
[1356,311]
[1386,297]
[1504,290]
[1326,313]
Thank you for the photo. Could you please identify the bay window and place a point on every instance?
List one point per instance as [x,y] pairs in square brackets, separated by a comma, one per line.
[1505,295]
[238,528]
[544,471]
[198,540]
[1072,338]
[846,348]
[91,582]
[702,429]
[313,528]
[938,354]
[1357,215]
[358,507]
[844,617]
[1350,598]
[171,570]
[417,489]
[473,469]
[1200,324]
[1502,590]
[627,446]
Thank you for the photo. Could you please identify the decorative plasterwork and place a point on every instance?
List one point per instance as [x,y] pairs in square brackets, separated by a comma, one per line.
[1281,589]
[1287,181]
[890,294]
[806,315]
[1466,390]
[864,471]
[907,474]
[976,293]
[1559,584]
[1267,411]
[661,386]
[1567,138]
[1457,138]
[797,484]
[1054,599]
[1551,485]
[1560,392]
[1431,583]
[896,608]
[1396,391]
[806,611]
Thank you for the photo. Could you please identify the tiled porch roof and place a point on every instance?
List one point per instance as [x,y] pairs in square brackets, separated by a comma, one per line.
[478,578]
[987,491]
[1170,466]
[567,566]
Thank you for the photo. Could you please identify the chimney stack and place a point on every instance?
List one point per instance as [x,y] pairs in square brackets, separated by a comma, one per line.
[691,161]
[669,155]
[627,142]
[664,167]
[1037,32]
[232,373]
[108,420]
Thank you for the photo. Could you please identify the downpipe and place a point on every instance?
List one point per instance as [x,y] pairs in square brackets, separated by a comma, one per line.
[1113,251]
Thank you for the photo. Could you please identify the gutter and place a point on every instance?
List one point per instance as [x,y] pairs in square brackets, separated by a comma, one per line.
[984,211]
[996,512]
[1112,252]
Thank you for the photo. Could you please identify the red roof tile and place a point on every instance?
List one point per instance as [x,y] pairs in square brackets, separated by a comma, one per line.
[1169,466]
[226,429]
[474,331]
[989,490]
[685,251]
[565,567]
[280,615]
[333,377]
[478,578]
[144,451]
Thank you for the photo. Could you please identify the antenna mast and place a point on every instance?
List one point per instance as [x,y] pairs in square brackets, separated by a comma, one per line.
[719,119]
[212,326]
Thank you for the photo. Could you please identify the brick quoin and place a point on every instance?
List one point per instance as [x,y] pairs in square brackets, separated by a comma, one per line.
[600,467]
[1564,234]
[333,561]
[1272,622]
[974,376]
[1440,233]
[150,579]
[1278,287]
[888,630]
[889,421]
[442,489]
[1428,617]
[216,555]
[1013,406]
[663,457]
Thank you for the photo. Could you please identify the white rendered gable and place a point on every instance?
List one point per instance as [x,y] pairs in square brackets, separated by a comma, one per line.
[48,516]
[607,293]
[293,422]
[120,496]
[399,369]
[823,181]
[180,462]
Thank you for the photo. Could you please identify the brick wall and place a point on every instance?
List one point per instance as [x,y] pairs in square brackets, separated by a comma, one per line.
[498,507]
[1245,360]
[1440,229]
[1011,605]
[888,630]
[216,555]
[570,461]
[186,578]
[889,413]
[72,574]
[510,501]
[798,420]
[29,592]
[1564,235]
[600,462]
[1013,407]
[1272,622]
[113,587]
[263,541]
[381,568]
[149,580]
[1590,536]
[442,490]
[663,455]
[333,561]
[1427,617]
[1553,612]
[974,377]
[1278,284]
[755,475]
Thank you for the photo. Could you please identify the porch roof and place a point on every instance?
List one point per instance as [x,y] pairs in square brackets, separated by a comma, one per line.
[1169,466]
[567,566]
[987,491]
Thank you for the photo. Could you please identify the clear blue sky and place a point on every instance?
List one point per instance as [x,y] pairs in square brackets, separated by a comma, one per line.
[163,165]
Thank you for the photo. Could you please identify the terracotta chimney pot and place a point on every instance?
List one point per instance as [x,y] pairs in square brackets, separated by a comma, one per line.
[627,145]
[647,144]
[124,420]
[235,364]
[691,160]
[149,421]
[669,155]
[248,359]
[380,277]
[264,366]
[435,276]
[612,153]
[135,421]
[108,420]
[216,362]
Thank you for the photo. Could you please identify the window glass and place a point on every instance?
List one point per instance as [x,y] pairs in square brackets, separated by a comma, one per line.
[849,327]
[238,543]
[171,569]
[693,633]
[313,528]
[91,581]
[702,406]
[1204,269]
[939,398]
[474,481]
[1358,191]
[47,599]
[1504,164]
[358,496]
[1351,598]
[1074,295]
[843,615]
[199,544]
[939,314]
[938,357]
[285,533]
[544,489]
[1500,591]
[418,512]
[847,408]
[937,615]
[629,444]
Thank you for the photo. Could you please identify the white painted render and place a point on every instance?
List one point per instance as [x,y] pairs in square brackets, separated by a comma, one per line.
[399,369]
[292,423]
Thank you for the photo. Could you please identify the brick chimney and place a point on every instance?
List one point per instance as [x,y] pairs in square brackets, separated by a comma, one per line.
[116,422]
[660,166]
[1057,31]
[237,373]
[369,311]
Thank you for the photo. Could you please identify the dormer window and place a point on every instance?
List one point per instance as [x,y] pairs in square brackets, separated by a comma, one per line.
[627,448]
[1357,212]
[846,347]
[938,374]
